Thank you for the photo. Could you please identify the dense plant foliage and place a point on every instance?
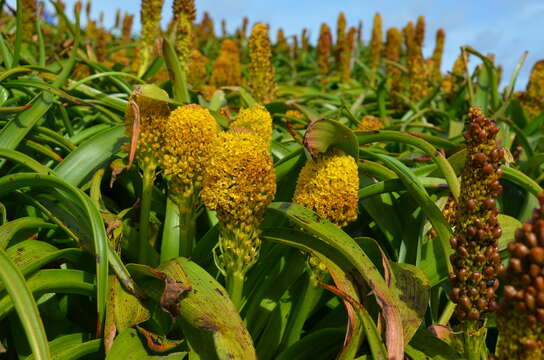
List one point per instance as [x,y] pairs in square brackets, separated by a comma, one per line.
[193,193]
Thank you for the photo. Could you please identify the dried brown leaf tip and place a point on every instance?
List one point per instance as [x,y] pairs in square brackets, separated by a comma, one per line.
[476,261]
[520,318]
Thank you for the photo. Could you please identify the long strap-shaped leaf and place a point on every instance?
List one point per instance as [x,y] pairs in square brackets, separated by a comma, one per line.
[344,251]
[25,305]
[13,182]
[440,160]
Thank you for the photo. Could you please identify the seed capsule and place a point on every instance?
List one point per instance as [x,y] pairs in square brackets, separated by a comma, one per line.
[537,255]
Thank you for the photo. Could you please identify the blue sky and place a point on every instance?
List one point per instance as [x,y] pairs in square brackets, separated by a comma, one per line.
[503,27]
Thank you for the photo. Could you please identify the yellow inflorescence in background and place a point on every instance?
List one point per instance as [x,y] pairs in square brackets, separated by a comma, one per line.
[370,123]
[376,42]
[261,70]
[324,50]
[329,185]
[392,53]
[187,136]
[226,69]
[532,99]
[197,74]
[255,118]
[29,19]
[438,52]
[150,18]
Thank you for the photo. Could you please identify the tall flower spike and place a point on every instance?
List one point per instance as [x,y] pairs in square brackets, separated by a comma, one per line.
[476,261]
[187,136]
[409,36]
[340,37]
[359,32]
[255,118]
[281,42]
[417,79]
[376,42]
[184,12]
[324,51]
[520,318]
[226,69]
[532,99]
[419,35]
[437,53]
[197,74]
[453,81]
[261,70]
[239,183]
[392,53]
[150,18]
[305,40]
[329,186]
[29,19]
[206,29]
[126,32]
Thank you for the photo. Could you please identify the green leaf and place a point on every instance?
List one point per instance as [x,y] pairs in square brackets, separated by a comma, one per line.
[10,229]
[72,347]
[91,155]
[344,251]
[20,296]
[129,346]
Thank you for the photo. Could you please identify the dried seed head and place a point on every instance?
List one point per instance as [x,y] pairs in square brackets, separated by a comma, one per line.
[476,227]
[520,318]
[329,186]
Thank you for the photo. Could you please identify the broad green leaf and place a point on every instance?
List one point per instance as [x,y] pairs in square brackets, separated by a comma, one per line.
[19,295]
[129,346]
[72,347]
[323,134]
[11,228]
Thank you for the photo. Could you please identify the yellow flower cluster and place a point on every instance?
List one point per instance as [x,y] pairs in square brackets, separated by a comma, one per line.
[185,7]
[329,186]
[187,136]
[281,42]
[239,183]
[392,53]
[437,54]
[417,75]
[370,123]
[255,118]
[419,36]
[151,115]
[226,69]
[376,42]
[453,81]
[324,50]
[340,37]
[261,70]
[532,99]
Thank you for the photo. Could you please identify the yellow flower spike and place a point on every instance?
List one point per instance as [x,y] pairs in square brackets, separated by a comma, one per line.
[226,68]
[150,18]
[197,74]
[370,123]
[345,59]
[532,99]
[329,186]
[438,53]
[29,19]
[409,36]
[184,14]
[324,50]
[453,81]
[419,36]
[150,115]
[281,42]
[376,42]
[305,40]
[188,133]
[255,118]
[340,36]
[261,70]
[205,30]
[126,32]
[392,53]
[239,183]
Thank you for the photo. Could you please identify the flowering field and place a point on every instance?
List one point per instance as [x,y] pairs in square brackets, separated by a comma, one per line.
[189,193]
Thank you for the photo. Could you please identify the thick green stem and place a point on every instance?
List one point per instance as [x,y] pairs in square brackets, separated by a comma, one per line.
[235,287]
[447,313]
[145,209]
[474,341]
[304,306]
[187,223]
[170,234]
